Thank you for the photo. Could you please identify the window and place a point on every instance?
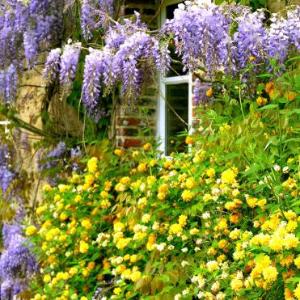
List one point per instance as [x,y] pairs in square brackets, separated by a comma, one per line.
[175,101]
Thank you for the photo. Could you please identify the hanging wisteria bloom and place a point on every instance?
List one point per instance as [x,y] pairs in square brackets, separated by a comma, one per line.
[201,36]
[17,264]
[250,40]
[25,28]
[69,62]
[52,65]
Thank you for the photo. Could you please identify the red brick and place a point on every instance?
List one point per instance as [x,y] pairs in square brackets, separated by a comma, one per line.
[128,143]
[129,121]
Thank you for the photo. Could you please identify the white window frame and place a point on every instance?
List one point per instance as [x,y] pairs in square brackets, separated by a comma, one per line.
[163,83]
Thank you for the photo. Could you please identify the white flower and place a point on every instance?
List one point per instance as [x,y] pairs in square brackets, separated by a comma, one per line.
[177,297]
[155,226]
[285,170]
[220,296]
[185,292]
[170,238]
[171,247]
[276,168]
[198,241]
[215,287]
[239,275]
[196,249]
[200,295]
[184,263]
[184,250]
[160,247]
[206,215]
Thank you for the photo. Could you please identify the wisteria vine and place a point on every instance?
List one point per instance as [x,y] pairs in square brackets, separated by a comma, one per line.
[206,36]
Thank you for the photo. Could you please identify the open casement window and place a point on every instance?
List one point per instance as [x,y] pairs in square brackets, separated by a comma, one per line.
[175,101]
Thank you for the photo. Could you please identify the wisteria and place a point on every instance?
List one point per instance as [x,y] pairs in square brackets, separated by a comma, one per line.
[69,61]
[52,65]
[6,174]
[206,36]
[17,264]
[94,15]
[128,50]
[201,36]
[25,27]
[250,39]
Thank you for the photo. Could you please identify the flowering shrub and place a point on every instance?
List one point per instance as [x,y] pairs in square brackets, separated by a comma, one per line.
[204,224]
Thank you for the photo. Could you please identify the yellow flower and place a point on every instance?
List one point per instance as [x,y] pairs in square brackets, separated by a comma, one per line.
[47,278]
[41,209]
[118,152]
[63,216]
[63,188]
[182,220]
[251,201]
[212,265]
[135,276]
[30,230]
[291,226]
[270,274]
[236,284]
[209,92]
[117,291]
[297,261]
[275,243]
[190,183]
[119,227]
[228,176]
[142,167]
[297,291]
[146,218]
[147,147]
[83,247]
[261,101]
[86,223]
[187,195]
[92,165]
[194,231]
[122,243]
[189,140]
[47,188]
[83,298]
[261,203]
[290,241]
[211,172]
[175,229]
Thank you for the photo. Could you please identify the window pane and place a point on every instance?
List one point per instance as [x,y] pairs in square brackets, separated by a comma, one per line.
[176,101]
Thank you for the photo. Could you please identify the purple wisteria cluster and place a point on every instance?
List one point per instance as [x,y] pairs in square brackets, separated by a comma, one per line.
[128,55]
[6,174]
[227,38]
[17,263]
[206,36]
[201,36]
[95,15]
[25,26]
[62,64]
